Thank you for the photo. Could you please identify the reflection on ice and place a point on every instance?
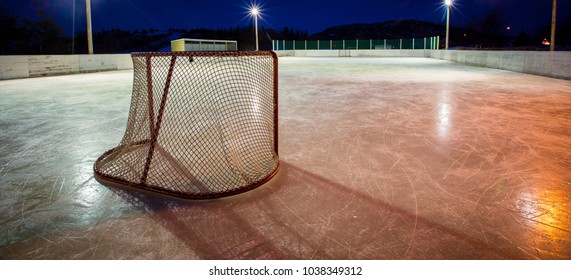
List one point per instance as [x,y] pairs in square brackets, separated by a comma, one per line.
[383,158]
[546,214]
[444,114]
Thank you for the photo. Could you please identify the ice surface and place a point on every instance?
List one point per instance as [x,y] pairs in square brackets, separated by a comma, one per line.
[381,158]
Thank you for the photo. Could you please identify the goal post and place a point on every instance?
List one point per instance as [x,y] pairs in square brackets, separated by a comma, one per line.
[201,125]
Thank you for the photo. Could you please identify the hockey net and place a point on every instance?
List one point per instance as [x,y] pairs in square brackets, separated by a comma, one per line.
[201,125]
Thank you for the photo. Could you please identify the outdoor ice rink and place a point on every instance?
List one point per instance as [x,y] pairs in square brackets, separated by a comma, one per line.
[381,158]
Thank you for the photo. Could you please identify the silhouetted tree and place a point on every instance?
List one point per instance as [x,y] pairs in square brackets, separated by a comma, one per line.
[524,39]
[31,37]
[8,31]
[492,24]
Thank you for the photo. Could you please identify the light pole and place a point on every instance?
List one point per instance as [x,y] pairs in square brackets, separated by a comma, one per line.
[448,4]
[89,34]
[553,22]
[255,12]
[73,28]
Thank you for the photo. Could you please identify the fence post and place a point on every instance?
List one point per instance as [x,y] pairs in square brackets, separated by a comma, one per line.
[306,45]
[357,42]
[371,44]
[413,43]
[317,44]
[424,45]
[331,44]
[400,48]
[385,44]
[294,45]
[343,44]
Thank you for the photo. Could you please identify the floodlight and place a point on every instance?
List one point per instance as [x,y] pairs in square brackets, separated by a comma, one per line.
[255,11]
[448,4]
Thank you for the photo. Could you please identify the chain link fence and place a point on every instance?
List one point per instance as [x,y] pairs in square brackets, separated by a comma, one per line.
[429,43]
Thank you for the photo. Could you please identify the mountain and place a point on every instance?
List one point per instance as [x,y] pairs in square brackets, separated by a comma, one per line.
[394,29]
[406,29]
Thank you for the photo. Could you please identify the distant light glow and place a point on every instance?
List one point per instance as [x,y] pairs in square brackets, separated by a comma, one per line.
[545,42]
[509,28]
[448,2]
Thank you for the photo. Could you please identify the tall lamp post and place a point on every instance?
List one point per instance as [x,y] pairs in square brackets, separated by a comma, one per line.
[73,28]
[255,12]
[89,34]
[448,4]
[553,22]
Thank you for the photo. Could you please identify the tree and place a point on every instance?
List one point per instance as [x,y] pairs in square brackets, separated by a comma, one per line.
[523,39]
[8,31]
[31,37]
[492,24]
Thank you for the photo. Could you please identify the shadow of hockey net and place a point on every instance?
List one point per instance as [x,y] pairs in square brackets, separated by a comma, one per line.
[201,125]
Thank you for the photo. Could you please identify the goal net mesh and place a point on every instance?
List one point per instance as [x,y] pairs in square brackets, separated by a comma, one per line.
[201,125]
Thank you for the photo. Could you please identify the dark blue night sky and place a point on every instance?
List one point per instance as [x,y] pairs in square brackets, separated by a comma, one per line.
[313,15]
